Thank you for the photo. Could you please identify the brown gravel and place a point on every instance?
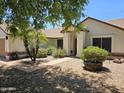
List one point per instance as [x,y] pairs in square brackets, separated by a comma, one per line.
[112,73]
[65,77]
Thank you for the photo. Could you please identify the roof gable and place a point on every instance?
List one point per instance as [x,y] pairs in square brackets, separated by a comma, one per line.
[107,23]
[1,29]
[118,22]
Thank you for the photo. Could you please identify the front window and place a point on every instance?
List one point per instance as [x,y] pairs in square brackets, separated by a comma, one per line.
[60,43]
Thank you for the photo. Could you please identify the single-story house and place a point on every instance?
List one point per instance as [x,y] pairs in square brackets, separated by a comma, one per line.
[108,35]
[8,45]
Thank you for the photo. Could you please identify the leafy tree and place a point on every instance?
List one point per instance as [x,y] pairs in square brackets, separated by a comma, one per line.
[37,13]
[64,12]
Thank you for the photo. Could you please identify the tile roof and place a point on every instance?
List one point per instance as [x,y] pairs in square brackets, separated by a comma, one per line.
[53,33]
[105,22]
[50,33]
[117,22]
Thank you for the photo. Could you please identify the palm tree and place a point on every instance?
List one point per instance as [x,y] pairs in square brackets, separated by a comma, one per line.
[31,39]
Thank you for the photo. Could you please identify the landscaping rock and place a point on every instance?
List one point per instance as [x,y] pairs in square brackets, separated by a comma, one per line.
[118,60]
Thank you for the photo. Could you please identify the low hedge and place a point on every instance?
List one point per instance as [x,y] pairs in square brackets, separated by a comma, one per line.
[94,54]
[50,50]
[58,53]
[42,53]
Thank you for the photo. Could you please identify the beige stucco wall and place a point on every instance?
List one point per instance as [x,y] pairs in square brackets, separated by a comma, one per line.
[15,45]
[80,42]
[2,34]
[2,43]
[72,43]
[2,47]
[51,41]
[97,29]
[67,42]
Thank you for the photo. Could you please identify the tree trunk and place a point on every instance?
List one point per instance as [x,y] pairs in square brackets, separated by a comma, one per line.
[37,46]
[26,47]
[35,51]
[34,55]
[32,52]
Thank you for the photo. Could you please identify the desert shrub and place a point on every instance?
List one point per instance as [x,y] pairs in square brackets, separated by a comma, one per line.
[94,54]
[58,53]
[50,50]
[42,53]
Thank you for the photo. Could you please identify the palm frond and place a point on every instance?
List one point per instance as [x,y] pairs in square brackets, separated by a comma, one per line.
[14,31]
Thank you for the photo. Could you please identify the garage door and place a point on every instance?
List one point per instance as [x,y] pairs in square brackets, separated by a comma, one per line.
[104,43]
[2,46]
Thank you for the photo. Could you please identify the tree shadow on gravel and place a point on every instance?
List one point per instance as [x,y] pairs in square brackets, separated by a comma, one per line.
[51,80]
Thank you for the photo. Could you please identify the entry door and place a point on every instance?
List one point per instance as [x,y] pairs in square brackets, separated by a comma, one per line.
[104,43]
[75,47]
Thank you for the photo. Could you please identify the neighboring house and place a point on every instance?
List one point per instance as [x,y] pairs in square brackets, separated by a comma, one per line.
[108,35]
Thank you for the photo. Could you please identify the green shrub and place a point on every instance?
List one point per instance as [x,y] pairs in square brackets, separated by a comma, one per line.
[94,54]
[58,53]
[50,50]
[42,53]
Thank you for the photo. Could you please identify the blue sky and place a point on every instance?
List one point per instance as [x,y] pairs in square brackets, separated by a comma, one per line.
[104,9]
